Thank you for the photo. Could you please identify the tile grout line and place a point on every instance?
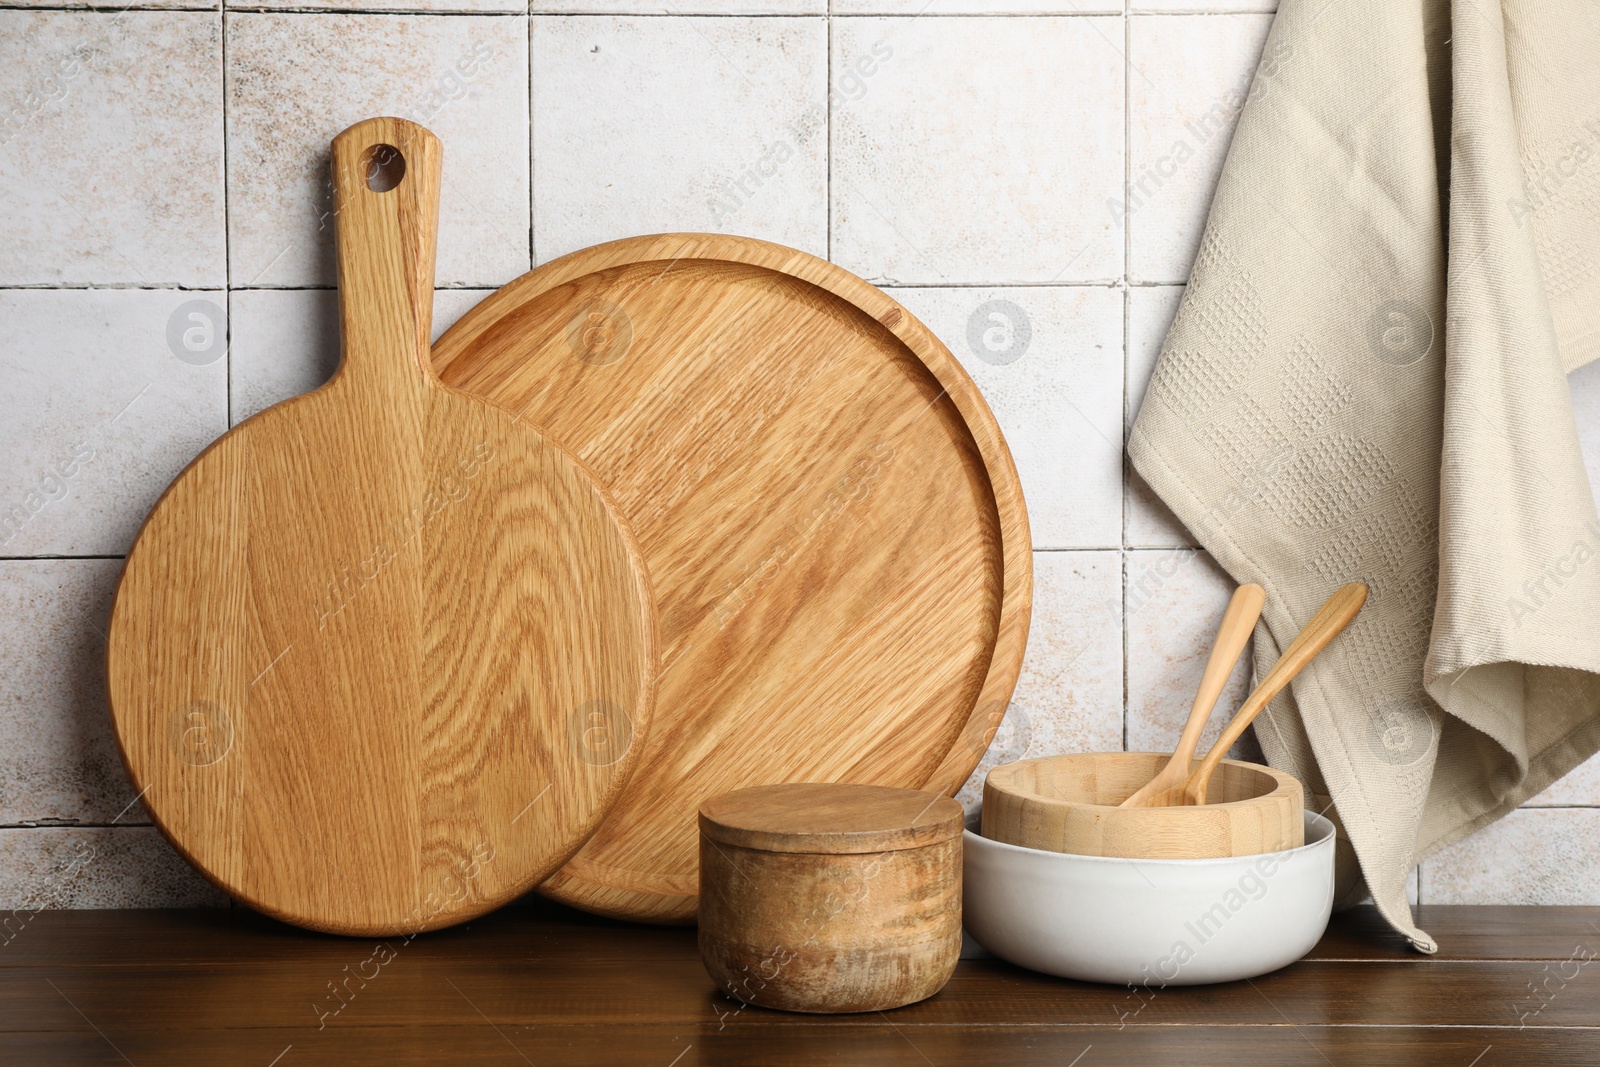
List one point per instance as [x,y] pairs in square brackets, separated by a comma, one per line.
[1122,610]
[1114,283]
[1127,172]
[108,287]
[307,9]
[227,225]
[533,241]
[827,122]
[1127,551]
[75,826]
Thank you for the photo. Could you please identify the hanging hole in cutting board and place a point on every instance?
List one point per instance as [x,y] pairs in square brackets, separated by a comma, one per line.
[384,166]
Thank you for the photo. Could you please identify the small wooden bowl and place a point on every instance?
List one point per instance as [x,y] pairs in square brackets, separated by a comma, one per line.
[830,898]
[1069,804]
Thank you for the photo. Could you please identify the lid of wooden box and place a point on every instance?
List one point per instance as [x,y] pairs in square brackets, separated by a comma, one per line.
[830,818]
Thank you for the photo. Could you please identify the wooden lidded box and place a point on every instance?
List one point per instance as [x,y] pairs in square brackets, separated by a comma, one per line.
[830,898]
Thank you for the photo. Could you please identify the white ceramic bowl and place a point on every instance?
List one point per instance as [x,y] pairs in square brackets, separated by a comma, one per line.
[1148,922]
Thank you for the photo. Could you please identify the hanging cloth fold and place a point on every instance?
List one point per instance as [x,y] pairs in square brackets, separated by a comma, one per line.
[1366,380]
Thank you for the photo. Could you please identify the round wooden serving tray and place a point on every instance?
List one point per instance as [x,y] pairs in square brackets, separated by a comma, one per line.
[830,518]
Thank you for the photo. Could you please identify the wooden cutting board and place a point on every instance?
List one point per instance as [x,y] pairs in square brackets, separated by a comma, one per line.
[378,654]
[831,520]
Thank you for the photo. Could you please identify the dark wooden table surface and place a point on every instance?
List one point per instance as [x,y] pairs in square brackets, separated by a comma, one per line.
[543,985]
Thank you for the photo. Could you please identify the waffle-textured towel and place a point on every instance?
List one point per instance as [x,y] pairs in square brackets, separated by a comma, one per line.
[1366,380]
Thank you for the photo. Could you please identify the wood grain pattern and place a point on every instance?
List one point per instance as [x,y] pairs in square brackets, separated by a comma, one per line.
[832,523]
[1337,612]
[1238,623]
[830,898]
[675,992]
[537,929]
[367,648]
[1070,804]
[543,984]
[873,1042]
[824,818]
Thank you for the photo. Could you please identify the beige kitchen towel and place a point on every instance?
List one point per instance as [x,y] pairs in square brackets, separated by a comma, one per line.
[1367,380]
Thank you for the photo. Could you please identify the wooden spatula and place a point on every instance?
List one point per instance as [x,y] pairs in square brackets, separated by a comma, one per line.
[382,655]
[1335,614]
[1238,623]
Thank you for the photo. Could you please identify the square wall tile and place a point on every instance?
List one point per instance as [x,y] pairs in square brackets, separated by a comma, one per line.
[294,81]
[110,174]
[108,394]
[1209,7]
[977,150]
[647,125]
[115,6]
[460,7]
[1581,787]
[918,8]
[1174,603]
[1048,361]
[286,341]
[1532,856]
[95,867]
[1069,696]
[1187,83]
[450,304]
[58,761]
[680,7]
[1149,523]
[1584,385]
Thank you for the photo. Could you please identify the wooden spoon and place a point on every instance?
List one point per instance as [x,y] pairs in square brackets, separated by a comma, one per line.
[1334,615]
[1238,623]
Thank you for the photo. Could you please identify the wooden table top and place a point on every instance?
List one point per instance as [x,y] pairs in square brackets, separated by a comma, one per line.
[542,985]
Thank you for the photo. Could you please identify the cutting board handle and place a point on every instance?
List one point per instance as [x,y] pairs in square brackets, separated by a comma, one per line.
[386,180]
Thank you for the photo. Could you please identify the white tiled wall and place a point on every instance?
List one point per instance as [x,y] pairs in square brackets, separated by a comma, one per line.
[647,125]
[166,263]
